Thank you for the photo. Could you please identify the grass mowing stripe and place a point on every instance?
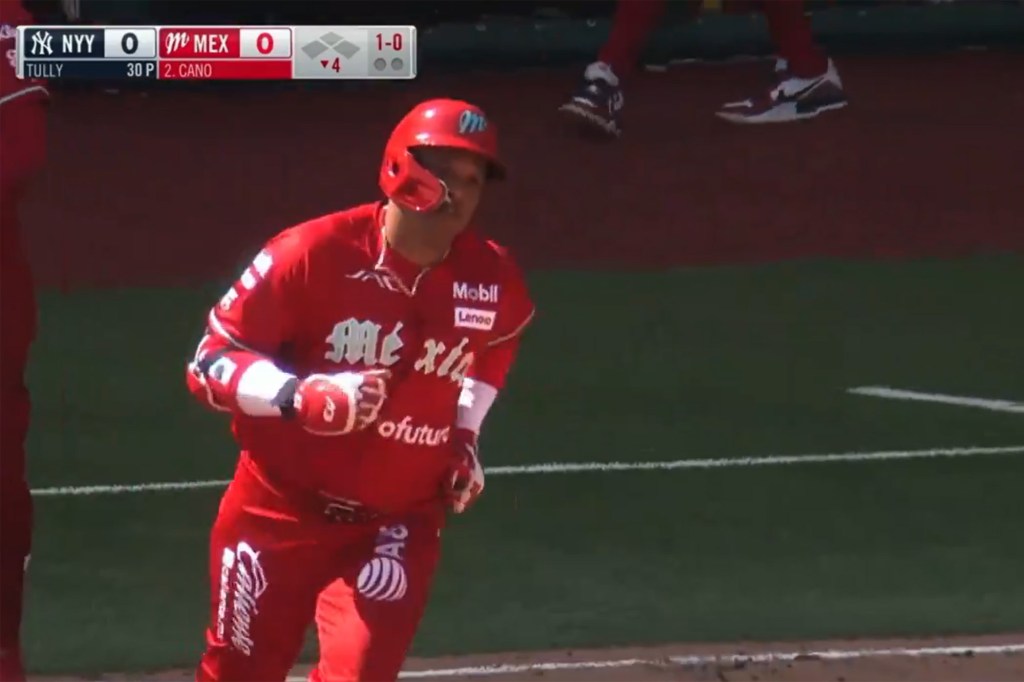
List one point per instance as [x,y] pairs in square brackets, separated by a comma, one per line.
[941,398]
[588,467]
[695,660]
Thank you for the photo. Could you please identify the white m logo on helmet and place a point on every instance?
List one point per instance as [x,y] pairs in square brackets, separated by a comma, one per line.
[471,122]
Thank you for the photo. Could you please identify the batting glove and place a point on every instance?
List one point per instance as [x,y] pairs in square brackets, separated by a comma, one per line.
[336,404]
[465,480]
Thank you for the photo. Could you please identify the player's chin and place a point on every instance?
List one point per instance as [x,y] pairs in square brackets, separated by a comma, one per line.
[448,224]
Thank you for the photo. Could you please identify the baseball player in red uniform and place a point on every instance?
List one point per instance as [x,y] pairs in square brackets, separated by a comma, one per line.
[806,85]
[22,150]
[357,355]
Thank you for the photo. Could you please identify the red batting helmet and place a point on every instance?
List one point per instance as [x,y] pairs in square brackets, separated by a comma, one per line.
[435,123]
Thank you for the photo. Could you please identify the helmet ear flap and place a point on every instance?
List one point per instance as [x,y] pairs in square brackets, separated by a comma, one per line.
[406,182]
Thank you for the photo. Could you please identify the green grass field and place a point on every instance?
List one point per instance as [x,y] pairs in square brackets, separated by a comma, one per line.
[715,363]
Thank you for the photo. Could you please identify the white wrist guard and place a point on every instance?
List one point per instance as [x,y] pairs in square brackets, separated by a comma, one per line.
[475,401]
[259,389]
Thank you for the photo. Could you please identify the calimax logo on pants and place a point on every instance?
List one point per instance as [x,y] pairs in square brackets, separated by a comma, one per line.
[479,293]
[241,569]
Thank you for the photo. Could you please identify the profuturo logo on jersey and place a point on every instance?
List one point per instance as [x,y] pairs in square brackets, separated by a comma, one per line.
[383,578]
[241,568]
[477,293]
[407,432]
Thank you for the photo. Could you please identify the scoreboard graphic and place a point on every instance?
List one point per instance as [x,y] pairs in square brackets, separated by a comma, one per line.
[217,52]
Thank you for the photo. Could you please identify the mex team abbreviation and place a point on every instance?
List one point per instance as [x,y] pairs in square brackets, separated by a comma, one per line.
[216,52]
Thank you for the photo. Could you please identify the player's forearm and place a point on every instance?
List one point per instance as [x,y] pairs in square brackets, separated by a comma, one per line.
[466,480]
[480,388]
[233,379]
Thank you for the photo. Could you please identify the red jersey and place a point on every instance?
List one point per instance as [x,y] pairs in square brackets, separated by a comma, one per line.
[22,151]
[330,296]
[22,140]
[12,15]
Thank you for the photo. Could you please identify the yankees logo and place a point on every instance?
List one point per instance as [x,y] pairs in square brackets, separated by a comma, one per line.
[42,43]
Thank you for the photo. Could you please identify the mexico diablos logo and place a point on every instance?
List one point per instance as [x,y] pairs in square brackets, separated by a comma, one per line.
[471,121]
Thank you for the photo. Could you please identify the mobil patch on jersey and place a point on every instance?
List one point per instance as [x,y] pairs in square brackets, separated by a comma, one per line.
[474,318]
[475,293]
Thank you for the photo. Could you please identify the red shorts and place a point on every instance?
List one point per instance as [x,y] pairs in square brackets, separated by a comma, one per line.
[281,560]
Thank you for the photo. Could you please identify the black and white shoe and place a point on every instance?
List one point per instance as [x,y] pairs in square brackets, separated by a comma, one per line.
[792,99]
[597,104]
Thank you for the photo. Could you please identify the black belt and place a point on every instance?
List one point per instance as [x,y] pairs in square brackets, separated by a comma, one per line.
[332,508]
[340,510]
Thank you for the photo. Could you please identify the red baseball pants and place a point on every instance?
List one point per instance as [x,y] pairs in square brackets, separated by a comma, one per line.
[17,329]
[15,500]
[634,21]
[22,152]
[276,566]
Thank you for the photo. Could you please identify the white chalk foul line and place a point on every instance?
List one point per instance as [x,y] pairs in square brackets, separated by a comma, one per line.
[959,400]
[585,467]
[710,659]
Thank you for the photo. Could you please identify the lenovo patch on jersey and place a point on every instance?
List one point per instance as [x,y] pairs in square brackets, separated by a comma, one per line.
[474,318]
[478,293]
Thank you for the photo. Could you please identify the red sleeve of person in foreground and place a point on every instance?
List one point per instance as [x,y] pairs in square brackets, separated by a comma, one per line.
[22,151]
[22,109]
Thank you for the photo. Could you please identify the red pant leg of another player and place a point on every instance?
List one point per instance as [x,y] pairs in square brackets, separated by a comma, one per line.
[17,330]
[22,150]
[268,563]
[790,29]
[367,619]
[632,24]
[15,529]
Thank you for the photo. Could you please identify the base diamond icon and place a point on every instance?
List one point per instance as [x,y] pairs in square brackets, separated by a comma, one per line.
[314,49]
[346,49]
[330,38]
[334,52]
